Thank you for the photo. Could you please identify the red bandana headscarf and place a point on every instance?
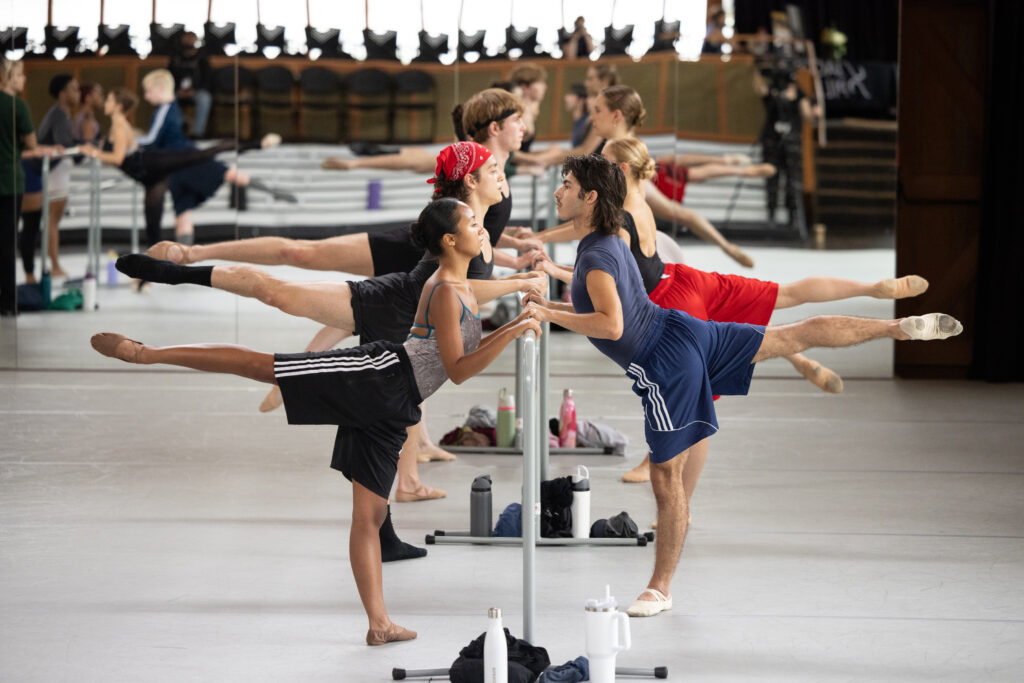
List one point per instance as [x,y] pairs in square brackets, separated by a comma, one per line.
[459,160]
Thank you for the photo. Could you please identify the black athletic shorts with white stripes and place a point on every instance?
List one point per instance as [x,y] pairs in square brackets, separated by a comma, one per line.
[369,391]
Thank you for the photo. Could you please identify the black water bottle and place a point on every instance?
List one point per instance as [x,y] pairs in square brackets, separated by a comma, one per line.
[480,506]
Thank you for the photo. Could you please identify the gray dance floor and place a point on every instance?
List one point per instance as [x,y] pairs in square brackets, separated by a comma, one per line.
[156,527]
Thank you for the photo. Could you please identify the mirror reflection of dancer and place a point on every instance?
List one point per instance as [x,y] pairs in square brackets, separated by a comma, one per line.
[371,391]
[677,362]
[188,190]
[152,166]
[723,298]
[616,113]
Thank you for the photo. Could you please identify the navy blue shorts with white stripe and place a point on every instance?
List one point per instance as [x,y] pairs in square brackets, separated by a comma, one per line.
[684,363]
[368,391]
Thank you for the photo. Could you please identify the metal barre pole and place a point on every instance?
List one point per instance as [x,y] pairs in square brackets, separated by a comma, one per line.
[93,241]
[135,218]
[531,503]
[44,222]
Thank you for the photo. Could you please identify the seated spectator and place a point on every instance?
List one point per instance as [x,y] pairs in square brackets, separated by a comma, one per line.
[192,77]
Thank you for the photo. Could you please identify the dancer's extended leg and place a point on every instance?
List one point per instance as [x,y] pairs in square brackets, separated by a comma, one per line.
[837,331]
[415,159]
[345,253]
[666,209]
[368,514]
[814,289]
[220,358]
[703,172]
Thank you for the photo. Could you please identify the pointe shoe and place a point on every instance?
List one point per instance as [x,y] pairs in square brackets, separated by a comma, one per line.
[391,634]
[931,326]
[415,496]
[825,379]
[648,608]
[110,344]
[272,401]
[270,140]
[901,288]
[170,251]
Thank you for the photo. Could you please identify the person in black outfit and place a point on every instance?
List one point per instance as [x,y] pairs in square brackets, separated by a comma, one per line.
[192,80]
[786,107]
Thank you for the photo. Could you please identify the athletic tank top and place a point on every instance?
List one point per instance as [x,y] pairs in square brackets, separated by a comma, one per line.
[495,221]
[424,355]
[651,267]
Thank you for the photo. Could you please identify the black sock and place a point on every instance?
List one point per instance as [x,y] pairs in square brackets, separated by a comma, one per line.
[392,548]
[153,270]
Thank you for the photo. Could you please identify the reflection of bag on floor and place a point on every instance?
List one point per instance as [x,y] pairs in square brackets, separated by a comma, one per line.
[594,435]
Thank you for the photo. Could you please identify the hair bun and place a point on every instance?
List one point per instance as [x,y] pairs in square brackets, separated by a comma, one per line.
[416,236]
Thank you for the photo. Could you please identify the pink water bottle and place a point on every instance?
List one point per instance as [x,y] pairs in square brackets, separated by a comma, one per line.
[567,421]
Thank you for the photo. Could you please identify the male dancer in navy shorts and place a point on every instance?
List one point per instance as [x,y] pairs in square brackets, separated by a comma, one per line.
[677,362]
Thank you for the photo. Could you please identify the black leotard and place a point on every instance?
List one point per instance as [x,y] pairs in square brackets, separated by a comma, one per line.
[651,267]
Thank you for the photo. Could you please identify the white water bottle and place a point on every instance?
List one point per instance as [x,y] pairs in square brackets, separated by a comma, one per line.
[89,293]
[607,635]
[581,502]
[495,649]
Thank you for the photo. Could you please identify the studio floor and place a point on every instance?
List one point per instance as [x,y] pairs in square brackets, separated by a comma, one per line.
[156,527]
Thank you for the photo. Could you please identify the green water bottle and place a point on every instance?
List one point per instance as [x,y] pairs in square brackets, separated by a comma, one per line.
[506,419]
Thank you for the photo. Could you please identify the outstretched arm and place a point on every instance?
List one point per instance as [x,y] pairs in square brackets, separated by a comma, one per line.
[489,290]
[460,366]
[604,323]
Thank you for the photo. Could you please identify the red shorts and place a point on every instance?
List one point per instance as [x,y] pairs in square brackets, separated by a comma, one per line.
[712,296]
[671,180]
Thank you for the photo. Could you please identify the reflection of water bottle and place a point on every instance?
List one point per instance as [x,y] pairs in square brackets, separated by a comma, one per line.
[495,649]
[480,506]
[581,503]
[373,195]
[89,292]
[607,635]
[567,421]
[506,419]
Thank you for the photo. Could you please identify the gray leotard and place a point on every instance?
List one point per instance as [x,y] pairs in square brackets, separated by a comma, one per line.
[424,355]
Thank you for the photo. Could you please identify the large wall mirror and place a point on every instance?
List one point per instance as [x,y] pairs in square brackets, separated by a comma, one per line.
[338,80]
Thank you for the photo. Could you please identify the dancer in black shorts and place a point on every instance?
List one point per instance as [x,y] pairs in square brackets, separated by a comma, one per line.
[371,391]
[380,308]
[492,118]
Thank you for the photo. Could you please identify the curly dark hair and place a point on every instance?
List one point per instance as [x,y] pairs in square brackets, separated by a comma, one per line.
[594,172]
[455,189]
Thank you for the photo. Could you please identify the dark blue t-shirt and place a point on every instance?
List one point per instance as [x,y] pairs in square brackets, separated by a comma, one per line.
[610,254]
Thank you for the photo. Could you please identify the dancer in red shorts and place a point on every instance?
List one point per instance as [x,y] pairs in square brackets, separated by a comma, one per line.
[722,298]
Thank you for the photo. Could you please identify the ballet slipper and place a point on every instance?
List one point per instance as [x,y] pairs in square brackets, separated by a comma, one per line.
[738,255]
[422,492]
[170,251]
[931,326]
[429,453]
[901,288]
[272,401]
[638,474]
[762,171]
[113,345]
[825,379]
[270,140]
[648,608]
[391,634]
[337,164]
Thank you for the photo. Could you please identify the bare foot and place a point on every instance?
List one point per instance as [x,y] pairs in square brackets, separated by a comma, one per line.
[639,474]
[900,288]
[170,251]
[738,255]
[118,346]
[337,164]
[429,452]
[272,401]
[57,271]
[392,633]
[761,171]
